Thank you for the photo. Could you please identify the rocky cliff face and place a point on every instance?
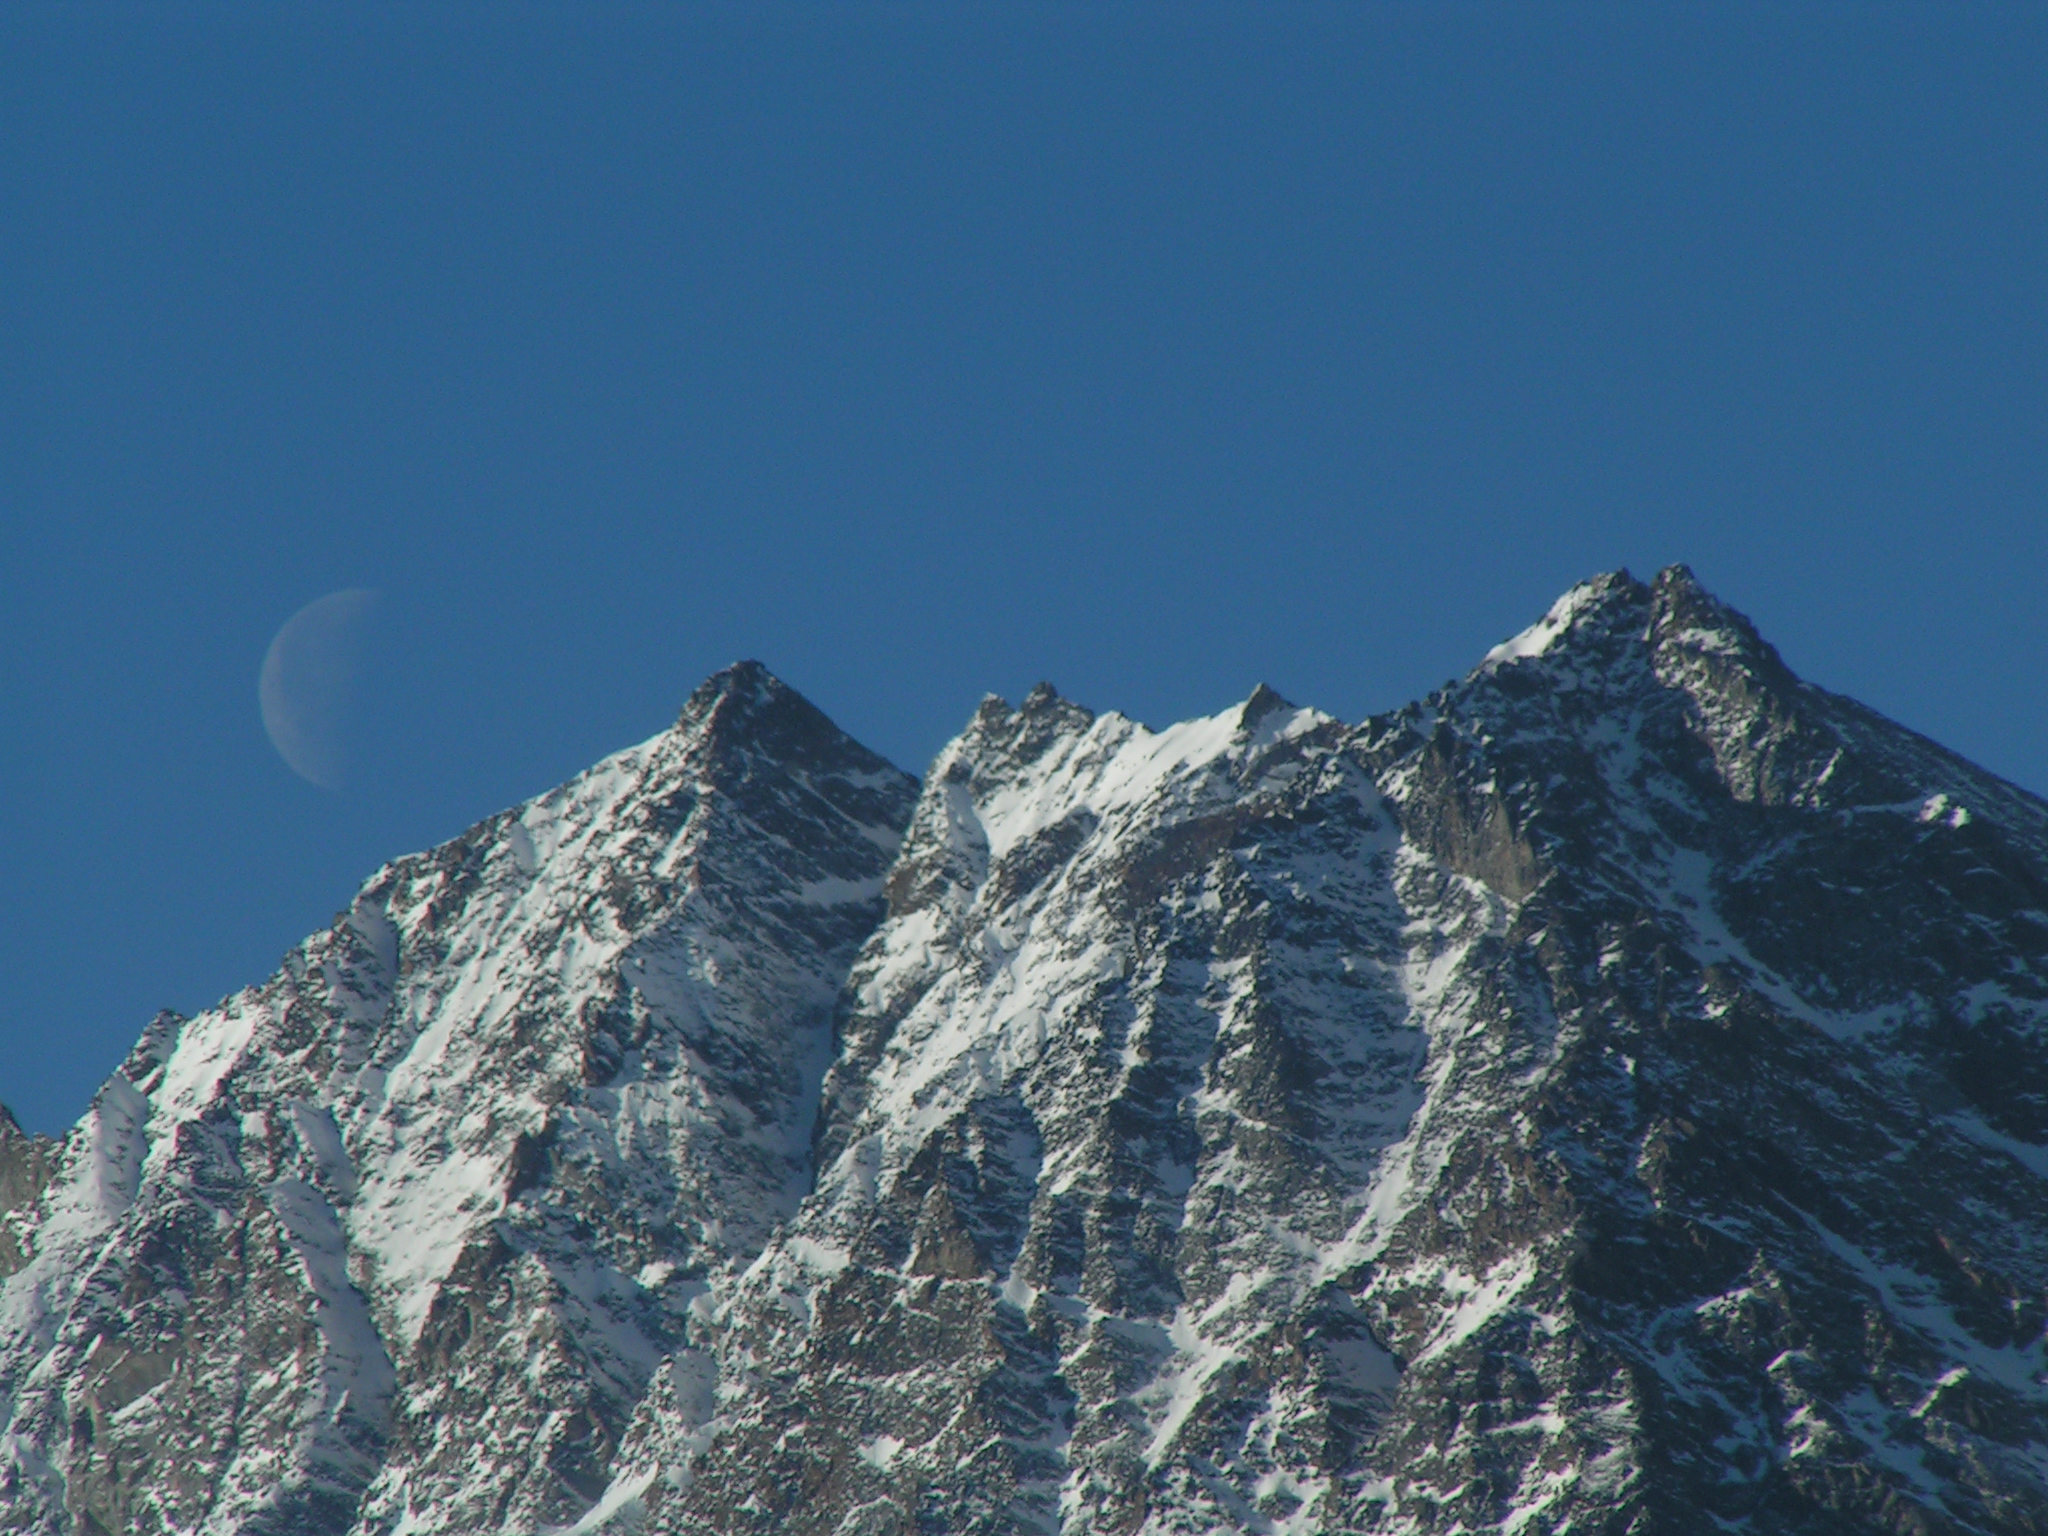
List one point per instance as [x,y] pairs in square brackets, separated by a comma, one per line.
[1609,1095]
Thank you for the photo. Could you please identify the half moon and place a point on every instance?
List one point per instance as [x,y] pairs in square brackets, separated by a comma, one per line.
[309,681]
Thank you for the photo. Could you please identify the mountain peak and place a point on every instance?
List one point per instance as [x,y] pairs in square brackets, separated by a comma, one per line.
[735,694]
[746,709]
[1674,606]
[1682,612]
[999,734]
[1613,635]
[1263,701]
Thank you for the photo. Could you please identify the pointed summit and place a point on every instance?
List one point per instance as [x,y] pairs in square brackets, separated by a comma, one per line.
[1683,613]
[1263,702]
[1682,672]
[1673,609]
[747,701]
[744,726]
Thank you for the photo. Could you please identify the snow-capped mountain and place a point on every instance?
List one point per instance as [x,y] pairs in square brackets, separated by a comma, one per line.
[396,1240]
[1609,1095]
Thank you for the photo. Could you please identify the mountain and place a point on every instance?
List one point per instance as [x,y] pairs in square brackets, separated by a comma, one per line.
[396,1240]
[1609,1095]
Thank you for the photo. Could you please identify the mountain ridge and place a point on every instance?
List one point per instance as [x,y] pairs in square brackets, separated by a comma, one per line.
[1607,1093]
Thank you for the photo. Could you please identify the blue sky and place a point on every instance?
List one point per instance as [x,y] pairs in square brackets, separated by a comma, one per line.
[923,353]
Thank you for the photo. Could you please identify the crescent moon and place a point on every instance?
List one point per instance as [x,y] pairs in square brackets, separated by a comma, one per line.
[308,684]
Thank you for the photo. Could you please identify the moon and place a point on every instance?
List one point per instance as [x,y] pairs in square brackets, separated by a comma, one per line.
[309,681]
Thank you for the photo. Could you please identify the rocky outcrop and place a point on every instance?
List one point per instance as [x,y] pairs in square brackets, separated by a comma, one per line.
[24,1171]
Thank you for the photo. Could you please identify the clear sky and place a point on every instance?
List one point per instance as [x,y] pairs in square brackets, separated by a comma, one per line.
[923,353]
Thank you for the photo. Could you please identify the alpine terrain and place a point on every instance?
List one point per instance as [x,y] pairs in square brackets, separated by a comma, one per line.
[1607,1096]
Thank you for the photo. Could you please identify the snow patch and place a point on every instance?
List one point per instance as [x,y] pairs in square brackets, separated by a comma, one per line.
[1539,637]
[880,1452]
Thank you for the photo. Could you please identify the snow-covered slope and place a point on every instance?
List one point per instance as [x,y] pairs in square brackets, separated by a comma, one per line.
[395,1240]
[1609,1095]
